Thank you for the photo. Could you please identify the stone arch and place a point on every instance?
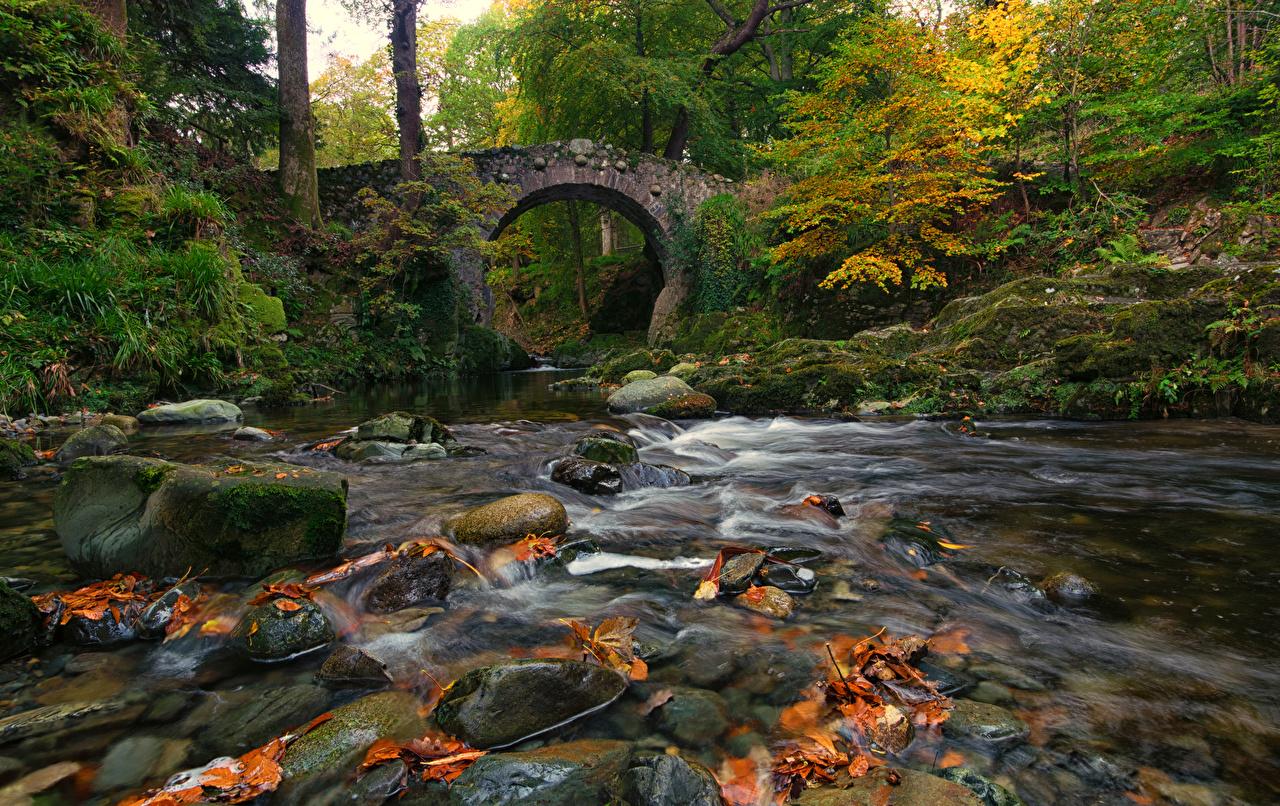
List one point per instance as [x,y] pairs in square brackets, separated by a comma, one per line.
[651,192]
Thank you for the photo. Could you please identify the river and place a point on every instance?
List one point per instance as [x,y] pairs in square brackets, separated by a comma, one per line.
[1172,674]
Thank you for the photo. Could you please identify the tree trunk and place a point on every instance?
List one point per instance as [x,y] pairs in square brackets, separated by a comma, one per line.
[608,233]
[114,16]
[404,62]
[298,180]
[575,235]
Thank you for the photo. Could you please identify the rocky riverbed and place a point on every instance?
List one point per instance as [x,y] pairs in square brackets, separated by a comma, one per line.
[1096,599]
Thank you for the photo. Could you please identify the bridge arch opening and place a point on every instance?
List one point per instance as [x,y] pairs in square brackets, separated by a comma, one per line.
[576,260]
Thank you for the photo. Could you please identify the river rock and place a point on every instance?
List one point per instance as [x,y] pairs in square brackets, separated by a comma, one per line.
[586,476]
[582,773]
[134,760]
[608,447]
[236,721]
[683,370]
[96,440]
[666,396]
[642,475]
[19,623]
[429,450]
[873,789]
[116,626]
[267,633]
[738,572]
[351,666]
[332,750]
[510,519]
[248,433]
[983,721]
[988,791]
[403,427]
[364,450]
[667,780]
[693,716]
[768,600]
[133,514]
[411,579]
[127,424]
[155,619]
[892,730]
[191,412]
[638,375]
[14,456]
[499,705]
[1067,588]
[788,578]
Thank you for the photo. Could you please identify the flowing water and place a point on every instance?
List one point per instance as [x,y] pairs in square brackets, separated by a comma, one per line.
[1170,676]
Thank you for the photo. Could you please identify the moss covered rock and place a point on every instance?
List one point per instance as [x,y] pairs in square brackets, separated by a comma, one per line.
[128,513]
[665,396]
[510,519]
[607,446]
[615,369]
[191,412]
[404,427]
[639,375]
[499,705]
[14,456]
[266,310]
[569,774]
[19,621]
[268,633]
[96,440]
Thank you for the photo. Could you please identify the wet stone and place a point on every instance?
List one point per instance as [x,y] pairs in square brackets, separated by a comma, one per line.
[987,791]
[984,722]
[693,716]
[96,440]
[354,667]
[989,691]
[641,475]
[1066,588]
[510,519]
[282,634]
[1009,675]
[191,412]
[892,731]
[582,773]
[768,601]
[737,573]
[787,577]
[587,476]
[157,615]
[19,623]
[233,722]
[609,447]
[114,627]
[411,579]
[499,705]
[667,780]
[376,786]
[136,759]
[914,788]
[248,433]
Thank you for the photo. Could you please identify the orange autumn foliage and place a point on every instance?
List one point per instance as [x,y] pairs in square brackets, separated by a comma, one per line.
[610,645]
[434,757]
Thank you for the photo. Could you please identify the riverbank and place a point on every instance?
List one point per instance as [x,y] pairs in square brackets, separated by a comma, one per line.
[1119,343]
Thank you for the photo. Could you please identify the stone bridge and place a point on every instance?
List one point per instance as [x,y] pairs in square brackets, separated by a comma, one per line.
[650,192]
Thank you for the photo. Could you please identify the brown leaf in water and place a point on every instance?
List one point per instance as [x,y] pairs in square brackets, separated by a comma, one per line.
[951,758]
[950,642]
[288,590]
[534,547]
[611,644]
[709,587]
[739,780]
[287,605]
[656,700]
[434,757]
[94,601]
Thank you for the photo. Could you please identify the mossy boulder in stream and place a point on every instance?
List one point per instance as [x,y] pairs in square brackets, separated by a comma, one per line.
[582,773]
[96,440]
[401,426]
[667,396]
[18,623]
[639,375]
[333,750]
[14,456]
[607,446]
[129,513]
[510,519]
[191,412]
[499,705]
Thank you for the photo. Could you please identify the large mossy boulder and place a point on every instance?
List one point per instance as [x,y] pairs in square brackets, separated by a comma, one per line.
[267,311]
[191,412]
[500,705]
[510,519]
[582,773]
[14,456]
[404,427]
[19,620]
[666,396]
[607,446]
[333,750]
[129,513]
[96,440]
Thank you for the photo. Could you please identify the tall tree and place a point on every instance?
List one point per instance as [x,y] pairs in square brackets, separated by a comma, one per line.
[404,64]
[297,172]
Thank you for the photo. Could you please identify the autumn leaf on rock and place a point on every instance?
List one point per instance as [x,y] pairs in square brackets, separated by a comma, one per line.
[611,644]
[96,600]
[434,757]
[287,590]
[534,547]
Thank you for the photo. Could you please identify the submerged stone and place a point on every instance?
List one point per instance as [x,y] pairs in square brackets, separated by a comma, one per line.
[983,721]
[267,633]
[913,788]
[582,773]
[14,456]
[767,600]
[787,577]
[587,476]
[191,412]
[642,475]
[987,791]
[248,433]
[510,519]
[411,579]
[738,572]
[236,721]
[351,666]
[156,617]
[96,440]
[132,514]
[1067,588]
[19,623]
[667,780]
[499,705]
[693,716]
